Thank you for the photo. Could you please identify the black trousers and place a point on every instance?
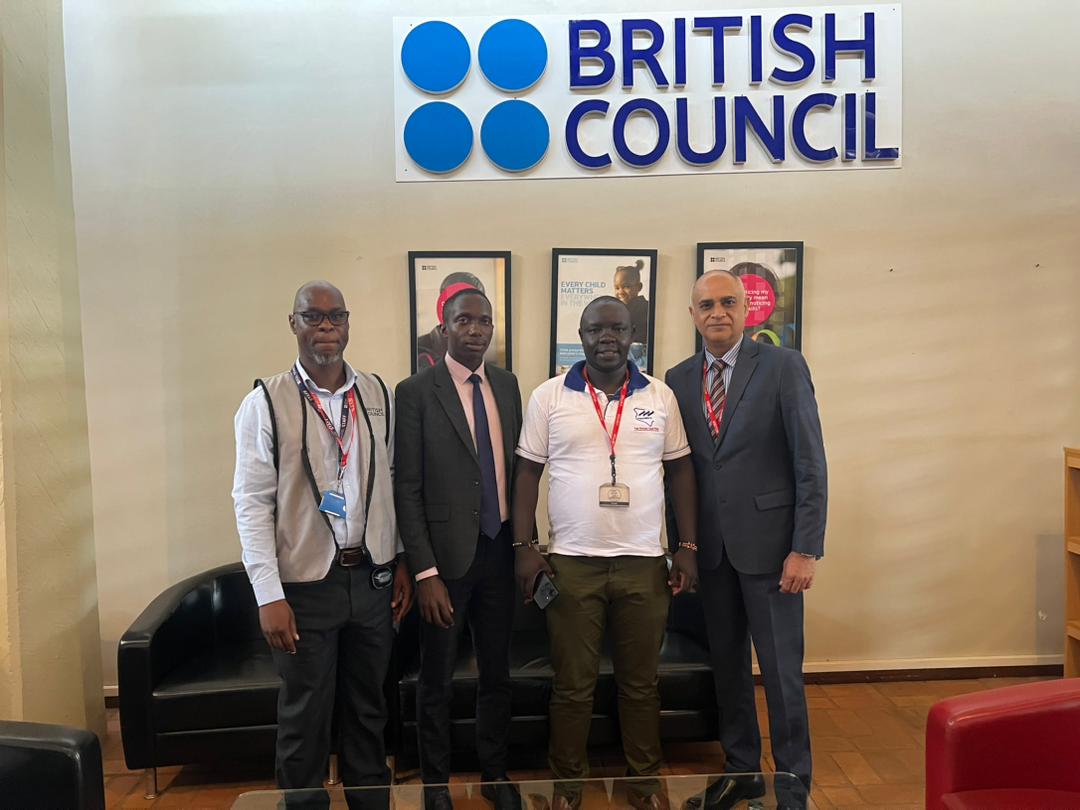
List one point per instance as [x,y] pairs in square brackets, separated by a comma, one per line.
[346,637]
[737,607]
[483,600]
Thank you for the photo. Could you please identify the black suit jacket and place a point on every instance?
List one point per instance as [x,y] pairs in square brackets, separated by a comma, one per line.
[762,488]
[436,470]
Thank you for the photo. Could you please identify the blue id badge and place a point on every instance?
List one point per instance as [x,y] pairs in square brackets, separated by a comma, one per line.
[333,503]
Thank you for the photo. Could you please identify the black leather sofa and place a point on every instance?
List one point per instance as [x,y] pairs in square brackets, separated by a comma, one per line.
[43,765]
[196,680]
[197,683]
[687,696]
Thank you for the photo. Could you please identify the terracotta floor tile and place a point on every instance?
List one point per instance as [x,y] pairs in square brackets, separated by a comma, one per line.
[892,794]
[819,800]
[872,734]
[915,701]
[855,695]
[847,721]
[856,768]
[892,769]
[822,722]
[914,760]
[119,787]
[828,773]
[955,687]
[888,741]
[841,795]
[828,744]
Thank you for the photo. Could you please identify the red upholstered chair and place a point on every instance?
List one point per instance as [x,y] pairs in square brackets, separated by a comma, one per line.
[1015,747]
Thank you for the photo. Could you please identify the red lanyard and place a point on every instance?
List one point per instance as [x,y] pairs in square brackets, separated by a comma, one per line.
[713,418]
[614,435]
[339,437]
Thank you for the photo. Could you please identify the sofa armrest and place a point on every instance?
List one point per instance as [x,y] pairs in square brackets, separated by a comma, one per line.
[174,627]
[1014,737]
[43,765]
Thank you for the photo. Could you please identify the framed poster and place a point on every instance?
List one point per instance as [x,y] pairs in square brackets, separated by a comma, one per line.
[771,272]
[580,275]
[437,275]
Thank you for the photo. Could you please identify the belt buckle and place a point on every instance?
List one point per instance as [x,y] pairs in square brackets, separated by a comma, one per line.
[350,557]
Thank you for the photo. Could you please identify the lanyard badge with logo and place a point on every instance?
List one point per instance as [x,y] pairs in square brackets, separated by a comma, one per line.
[614,493]
[333,500]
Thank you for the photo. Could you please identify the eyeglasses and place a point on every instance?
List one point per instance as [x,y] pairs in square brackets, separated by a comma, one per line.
[311,317]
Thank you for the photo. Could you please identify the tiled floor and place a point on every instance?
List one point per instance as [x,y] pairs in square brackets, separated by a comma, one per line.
[867,741]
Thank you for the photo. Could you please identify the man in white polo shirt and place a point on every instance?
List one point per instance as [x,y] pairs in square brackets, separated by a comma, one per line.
[609,435]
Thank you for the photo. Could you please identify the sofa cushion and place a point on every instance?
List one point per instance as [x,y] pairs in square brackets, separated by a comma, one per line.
[224,687]
[1012,799]
[685,678]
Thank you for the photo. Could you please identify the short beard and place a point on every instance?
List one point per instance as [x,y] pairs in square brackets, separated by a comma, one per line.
[326,358]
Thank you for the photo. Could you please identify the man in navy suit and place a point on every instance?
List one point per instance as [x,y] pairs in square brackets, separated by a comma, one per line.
[752,422]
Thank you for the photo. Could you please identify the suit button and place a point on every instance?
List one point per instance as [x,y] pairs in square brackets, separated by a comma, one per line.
[476,483]
[717,465]
[475,513]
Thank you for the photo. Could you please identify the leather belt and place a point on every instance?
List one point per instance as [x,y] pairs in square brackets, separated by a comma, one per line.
[350,557]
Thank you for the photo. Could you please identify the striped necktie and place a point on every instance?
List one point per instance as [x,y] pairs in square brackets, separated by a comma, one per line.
[718,393]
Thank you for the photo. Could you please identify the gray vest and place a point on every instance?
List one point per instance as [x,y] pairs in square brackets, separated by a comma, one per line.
[306,458]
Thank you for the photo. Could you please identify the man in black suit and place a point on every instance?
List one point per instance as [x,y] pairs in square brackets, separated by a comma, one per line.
[457,427]
[752,421]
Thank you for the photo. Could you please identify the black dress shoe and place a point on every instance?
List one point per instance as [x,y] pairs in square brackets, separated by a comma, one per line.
[502,793]
[437,799]
[727,792]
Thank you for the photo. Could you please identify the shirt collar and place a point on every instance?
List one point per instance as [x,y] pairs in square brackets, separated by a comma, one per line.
[729,357]
[350,379]
[575,377]
[461,373]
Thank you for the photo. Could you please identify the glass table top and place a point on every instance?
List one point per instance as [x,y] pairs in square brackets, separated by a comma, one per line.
[682,792]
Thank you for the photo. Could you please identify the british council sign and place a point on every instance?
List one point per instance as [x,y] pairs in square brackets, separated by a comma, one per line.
[489,98]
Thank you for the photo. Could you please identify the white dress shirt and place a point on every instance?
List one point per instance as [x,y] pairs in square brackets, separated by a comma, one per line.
[255,481]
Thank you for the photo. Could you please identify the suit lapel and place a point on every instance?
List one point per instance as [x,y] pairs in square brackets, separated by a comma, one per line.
[504,402]
[692,394]
[744,369]
[447,395]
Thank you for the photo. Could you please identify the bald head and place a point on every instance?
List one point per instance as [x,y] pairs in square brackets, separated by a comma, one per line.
[304,295]
[702,281]
[718,307]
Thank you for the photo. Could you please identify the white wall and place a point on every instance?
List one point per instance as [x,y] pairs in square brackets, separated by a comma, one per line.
[223,153]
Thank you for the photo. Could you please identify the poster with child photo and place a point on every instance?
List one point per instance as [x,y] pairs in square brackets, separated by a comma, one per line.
[580,275]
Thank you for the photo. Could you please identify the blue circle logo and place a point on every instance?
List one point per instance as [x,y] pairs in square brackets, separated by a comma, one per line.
[438,137]
[515,135]
[513,55]
[435,57]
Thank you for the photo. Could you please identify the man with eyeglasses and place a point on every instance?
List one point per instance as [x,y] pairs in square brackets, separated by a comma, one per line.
[315,513]
[609,436]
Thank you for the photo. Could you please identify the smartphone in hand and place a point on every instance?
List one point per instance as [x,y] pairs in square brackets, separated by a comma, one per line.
[545,591]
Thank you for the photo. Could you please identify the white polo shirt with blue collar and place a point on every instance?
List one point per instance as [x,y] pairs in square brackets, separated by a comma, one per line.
[561,429]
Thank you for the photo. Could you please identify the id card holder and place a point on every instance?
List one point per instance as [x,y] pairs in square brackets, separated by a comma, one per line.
[614,495]
[333,503]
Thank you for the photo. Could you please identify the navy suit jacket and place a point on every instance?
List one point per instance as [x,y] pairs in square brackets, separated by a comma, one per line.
[762,488]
